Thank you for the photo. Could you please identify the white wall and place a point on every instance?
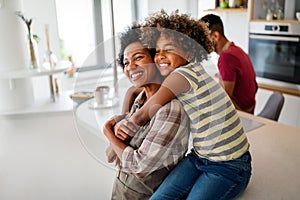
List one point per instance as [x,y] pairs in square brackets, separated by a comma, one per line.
[187,6]
[236,27]
[43,12]
[152,6]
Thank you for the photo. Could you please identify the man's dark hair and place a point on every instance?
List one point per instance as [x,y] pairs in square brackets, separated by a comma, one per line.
[214,23]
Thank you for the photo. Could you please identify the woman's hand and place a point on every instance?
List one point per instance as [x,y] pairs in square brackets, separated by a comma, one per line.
[125,129]
[108,129]
[117,145]
[118,126]
[110,124]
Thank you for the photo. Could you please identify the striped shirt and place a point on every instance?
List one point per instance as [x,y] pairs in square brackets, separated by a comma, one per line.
[162,142]
[216,129]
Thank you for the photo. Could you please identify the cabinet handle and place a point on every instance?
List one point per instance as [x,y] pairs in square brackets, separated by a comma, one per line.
[280,38]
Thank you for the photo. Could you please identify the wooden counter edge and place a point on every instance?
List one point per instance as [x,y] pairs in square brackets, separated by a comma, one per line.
[279,89]
[228,10]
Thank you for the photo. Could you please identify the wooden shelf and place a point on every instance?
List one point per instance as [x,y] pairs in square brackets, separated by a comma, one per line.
[40,71]
[276,21]
[228,10]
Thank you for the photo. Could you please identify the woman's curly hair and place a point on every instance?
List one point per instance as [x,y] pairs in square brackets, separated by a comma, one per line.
[130,35]
[192,35]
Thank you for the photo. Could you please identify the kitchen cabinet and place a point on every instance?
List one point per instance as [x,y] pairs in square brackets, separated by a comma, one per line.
[290,113]
[258,10]
[274,71]
[43,153]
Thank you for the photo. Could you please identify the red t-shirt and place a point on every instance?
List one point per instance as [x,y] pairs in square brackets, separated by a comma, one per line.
[235,65]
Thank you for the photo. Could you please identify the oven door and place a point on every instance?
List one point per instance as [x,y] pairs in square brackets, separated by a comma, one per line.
[276,57]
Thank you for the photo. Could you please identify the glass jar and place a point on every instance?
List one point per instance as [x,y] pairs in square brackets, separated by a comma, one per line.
[280,14]
[50,60]
[269,15]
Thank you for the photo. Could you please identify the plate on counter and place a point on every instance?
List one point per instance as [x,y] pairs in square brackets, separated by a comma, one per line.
[80,97]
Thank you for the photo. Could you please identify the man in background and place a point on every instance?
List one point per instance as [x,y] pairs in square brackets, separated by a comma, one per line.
[236,72]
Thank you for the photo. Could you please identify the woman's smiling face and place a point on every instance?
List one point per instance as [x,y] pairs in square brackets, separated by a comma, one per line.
[139,66]
[168,55]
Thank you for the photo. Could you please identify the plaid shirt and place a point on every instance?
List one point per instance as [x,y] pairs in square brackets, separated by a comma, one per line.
[160,143]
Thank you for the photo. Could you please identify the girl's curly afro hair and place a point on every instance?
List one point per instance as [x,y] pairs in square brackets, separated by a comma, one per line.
[192,35]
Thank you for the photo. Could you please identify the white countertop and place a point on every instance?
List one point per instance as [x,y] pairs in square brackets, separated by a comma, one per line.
[275,150]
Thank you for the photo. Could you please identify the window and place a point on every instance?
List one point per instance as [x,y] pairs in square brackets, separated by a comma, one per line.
[85,28]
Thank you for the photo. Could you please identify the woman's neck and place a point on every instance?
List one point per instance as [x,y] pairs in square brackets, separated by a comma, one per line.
[151,89]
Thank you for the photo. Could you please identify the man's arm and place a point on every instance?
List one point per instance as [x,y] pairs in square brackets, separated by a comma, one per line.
[229,88]
[228,72]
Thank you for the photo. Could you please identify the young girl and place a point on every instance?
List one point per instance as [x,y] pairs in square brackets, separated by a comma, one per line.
[219,165]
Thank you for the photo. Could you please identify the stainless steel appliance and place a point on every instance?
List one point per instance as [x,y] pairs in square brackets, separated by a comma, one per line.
[274,49]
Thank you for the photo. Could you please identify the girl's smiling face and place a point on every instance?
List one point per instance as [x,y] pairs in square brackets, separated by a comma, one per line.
[169,55]
[139,66]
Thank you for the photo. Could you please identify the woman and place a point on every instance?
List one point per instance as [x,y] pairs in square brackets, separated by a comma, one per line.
[158,146]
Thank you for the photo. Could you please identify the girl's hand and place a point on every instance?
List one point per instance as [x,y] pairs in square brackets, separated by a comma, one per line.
[112,156]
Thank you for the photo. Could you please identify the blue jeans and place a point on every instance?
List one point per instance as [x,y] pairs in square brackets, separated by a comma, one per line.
[198,178]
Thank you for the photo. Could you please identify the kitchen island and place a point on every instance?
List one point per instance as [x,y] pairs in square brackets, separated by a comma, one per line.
[275,150]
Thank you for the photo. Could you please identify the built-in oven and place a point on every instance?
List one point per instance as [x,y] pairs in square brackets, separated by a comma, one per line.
[274,49]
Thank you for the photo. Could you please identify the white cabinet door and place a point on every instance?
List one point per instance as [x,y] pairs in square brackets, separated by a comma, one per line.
[290,113]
